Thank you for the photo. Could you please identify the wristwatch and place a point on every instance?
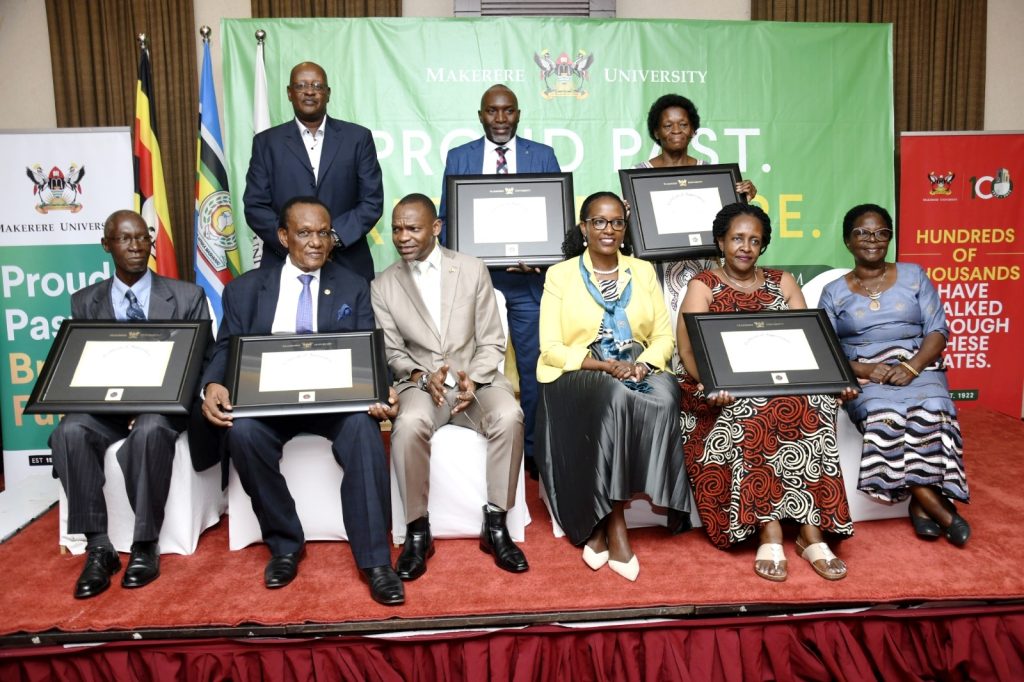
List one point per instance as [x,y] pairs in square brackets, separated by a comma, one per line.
[423,381]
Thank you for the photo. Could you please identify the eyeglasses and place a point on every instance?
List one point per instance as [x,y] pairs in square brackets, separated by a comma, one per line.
[600,223]
[303,86]
[883,235]
[125,240]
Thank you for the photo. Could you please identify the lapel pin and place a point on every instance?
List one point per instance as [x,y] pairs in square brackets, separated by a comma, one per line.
[327,292]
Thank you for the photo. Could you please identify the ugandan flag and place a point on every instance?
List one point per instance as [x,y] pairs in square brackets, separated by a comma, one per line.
[150,191]
[217,260]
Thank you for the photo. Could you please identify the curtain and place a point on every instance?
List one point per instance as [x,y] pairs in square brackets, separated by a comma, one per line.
[95,59]
[274,9]
[938,53]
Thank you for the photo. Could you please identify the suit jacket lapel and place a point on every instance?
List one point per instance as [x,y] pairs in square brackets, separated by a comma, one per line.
[326,301]
[161,300]
[524,164]
[293,142]
[449,286]
[415,300]
[476,156]
[331,147]
[266,301]
[101,307]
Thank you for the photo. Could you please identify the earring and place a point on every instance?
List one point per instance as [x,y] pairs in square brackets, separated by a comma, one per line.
[721,262]
[584,242]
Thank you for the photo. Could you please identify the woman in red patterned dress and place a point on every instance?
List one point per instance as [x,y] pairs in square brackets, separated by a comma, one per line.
[754,462]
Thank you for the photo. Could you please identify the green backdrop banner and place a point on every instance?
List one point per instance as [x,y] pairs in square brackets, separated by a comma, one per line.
[805,109]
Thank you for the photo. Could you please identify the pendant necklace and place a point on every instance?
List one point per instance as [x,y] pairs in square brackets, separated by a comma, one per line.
[737,284]
[873,294]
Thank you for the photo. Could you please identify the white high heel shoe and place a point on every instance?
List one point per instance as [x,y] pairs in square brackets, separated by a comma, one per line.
[627,569]
[594,559]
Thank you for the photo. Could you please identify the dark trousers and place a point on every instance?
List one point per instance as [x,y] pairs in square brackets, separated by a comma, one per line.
[255,446]
[78,445]
[522,298]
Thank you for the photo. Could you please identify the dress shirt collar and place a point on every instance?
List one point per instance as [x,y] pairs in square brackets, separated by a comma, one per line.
[319,133]
[432,260]
[489,146]
[290,270]
[141,289]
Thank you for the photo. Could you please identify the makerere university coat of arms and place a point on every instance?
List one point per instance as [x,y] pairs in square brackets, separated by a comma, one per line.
[57,191]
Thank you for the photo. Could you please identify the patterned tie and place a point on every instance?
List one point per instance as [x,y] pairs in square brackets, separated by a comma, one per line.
[502,168]
[135,311]
[304,314]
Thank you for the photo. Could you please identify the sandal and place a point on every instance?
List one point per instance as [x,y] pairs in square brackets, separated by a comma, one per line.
[816,552]
[771,552]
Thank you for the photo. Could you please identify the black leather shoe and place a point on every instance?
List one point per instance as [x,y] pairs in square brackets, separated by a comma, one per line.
[958,531]
[143,565]
[385,586]
[418,547]
[496,541]
[924,526]
[281,569]
[100,564]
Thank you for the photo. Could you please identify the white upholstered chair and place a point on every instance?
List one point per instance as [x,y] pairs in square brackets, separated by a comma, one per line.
[458,488]
[194,503]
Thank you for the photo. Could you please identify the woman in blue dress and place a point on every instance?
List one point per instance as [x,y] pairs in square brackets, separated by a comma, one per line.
[892,327]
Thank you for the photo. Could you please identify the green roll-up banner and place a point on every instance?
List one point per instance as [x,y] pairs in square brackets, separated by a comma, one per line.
[805,109]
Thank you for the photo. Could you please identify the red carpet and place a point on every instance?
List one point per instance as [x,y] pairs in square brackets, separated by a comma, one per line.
[217,587]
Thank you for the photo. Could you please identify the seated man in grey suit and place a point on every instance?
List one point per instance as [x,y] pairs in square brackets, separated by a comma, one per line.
[80,440]
[444,343]
[304,294]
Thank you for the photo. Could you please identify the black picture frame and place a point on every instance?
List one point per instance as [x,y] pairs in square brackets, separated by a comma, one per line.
[366,361]
[672,208]
[764,371]
[510,196]
[83,349]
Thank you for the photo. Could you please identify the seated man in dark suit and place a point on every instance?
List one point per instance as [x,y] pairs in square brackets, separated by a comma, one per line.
[305,294]
[444,343]
[315,155]
[81,440]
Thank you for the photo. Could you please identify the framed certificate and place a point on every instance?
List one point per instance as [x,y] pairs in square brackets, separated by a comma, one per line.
[108,367]
[784,352]
[505,219]
[673,208]
[306,373]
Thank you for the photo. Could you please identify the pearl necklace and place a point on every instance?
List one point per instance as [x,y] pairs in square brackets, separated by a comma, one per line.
[873,294]
[737,284]
[606,272]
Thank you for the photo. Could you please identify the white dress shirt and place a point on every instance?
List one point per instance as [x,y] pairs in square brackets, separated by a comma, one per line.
[427,275]
[314,144]
[491,156]
[288,298]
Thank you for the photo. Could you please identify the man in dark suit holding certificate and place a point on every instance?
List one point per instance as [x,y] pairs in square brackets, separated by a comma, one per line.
[501,152]
[81,440]
[304,294]
[315,155]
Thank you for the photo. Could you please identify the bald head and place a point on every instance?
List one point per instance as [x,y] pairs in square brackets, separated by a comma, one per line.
[499,114]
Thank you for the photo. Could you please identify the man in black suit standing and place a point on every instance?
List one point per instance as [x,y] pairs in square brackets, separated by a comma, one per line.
[315,155]
[81,440]
[304,294]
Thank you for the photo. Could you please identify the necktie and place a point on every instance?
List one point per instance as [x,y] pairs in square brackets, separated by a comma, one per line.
[502,168]
[134,309]
[304,313]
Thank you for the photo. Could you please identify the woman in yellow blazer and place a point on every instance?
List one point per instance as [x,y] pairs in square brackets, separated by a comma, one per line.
[608,417]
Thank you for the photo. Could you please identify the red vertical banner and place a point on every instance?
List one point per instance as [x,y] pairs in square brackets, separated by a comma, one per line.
[962,219]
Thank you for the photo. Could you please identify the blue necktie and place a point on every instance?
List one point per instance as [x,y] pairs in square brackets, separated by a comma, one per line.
[135,311]
[304,314]
[502,163]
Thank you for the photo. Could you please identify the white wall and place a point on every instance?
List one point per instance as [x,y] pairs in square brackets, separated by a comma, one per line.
[25,73]
[26,79]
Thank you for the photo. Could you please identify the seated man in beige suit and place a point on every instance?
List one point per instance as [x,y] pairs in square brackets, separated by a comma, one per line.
[444,344]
